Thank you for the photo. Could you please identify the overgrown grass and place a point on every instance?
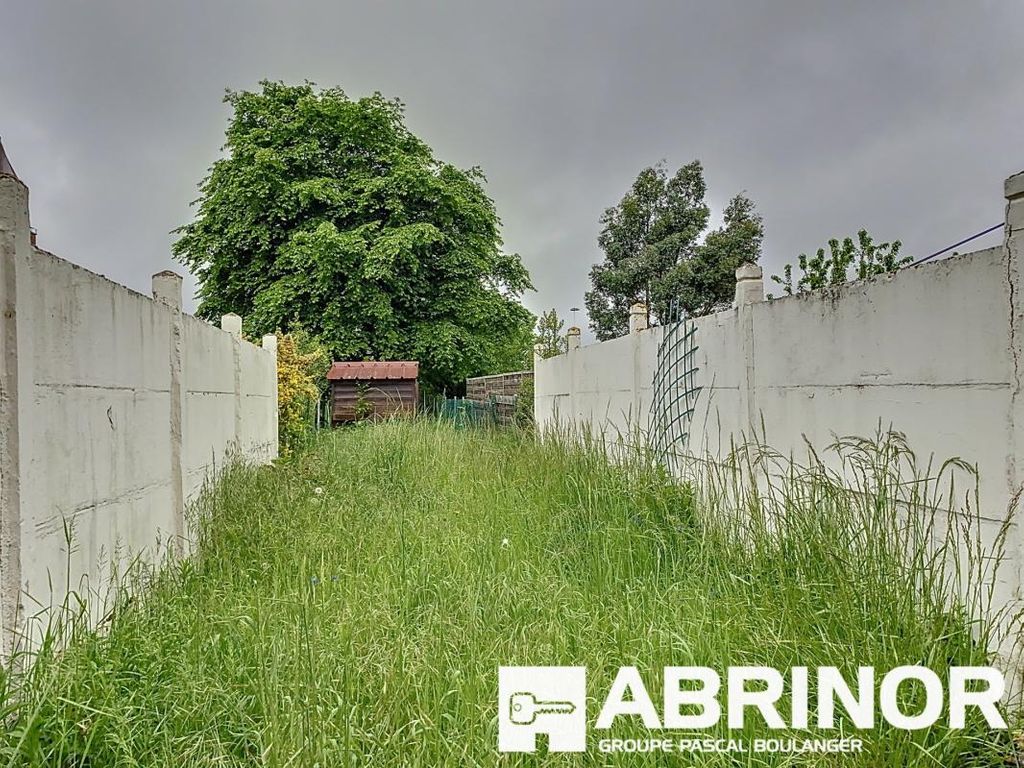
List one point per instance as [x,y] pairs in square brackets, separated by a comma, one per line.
[351,607]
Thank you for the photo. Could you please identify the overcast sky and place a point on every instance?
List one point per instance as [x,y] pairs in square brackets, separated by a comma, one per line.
[903,118]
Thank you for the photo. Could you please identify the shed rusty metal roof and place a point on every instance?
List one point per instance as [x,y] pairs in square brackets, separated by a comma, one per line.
[396,369]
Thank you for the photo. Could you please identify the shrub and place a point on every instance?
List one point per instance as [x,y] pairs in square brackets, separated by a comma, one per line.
[302,364]
[865,257]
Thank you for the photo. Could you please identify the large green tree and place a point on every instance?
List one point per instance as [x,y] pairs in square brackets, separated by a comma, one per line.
[327,213]
[654,252]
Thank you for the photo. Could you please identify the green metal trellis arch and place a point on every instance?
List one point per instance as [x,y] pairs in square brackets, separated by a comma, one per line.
[675,388]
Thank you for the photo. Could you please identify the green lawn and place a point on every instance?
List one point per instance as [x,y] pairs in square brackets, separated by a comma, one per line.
[352,606]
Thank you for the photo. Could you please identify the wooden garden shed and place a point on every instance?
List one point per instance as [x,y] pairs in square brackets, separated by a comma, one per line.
[373,389]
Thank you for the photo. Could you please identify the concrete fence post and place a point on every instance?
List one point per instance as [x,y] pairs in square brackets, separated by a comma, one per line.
[749,291]
[270,344]
[167,291]
[638,318]
[1013,253]
[572,339]
[16,382]
[749,284]
[232,323]
[1013,246]
[538,355]
[638,321]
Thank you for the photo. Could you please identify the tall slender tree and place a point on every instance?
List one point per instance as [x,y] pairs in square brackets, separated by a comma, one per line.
[706,281]
[654,253]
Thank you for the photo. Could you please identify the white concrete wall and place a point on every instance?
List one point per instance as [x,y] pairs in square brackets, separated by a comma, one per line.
[927,350]
[114,408]
[209,391]
[934,351]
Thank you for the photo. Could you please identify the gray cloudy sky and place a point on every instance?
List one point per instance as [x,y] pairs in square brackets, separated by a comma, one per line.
[903,118]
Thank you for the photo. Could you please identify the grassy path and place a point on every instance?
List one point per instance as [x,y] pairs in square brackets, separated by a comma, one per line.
[352,608]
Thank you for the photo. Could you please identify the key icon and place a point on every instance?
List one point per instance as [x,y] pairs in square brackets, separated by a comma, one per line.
[523,708]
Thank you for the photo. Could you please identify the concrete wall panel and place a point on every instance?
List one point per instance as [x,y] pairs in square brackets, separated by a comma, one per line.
[116,408]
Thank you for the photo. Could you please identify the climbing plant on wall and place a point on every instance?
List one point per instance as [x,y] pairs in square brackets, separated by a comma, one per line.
[844,261]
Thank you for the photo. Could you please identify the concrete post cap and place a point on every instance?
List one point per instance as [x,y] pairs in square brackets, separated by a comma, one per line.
[638,309]
[749,271]
[1014,186]
[166,288]
[572,338]
[231,323]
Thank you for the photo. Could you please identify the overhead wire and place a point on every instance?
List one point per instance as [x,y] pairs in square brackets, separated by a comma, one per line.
[931,256]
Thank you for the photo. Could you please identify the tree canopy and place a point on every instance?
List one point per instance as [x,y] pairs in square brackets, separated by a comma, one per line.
[654,253]
[327,213]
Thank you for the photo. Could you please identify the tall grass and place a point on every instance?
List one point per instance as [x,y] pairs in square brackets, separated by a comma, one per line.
[351,606]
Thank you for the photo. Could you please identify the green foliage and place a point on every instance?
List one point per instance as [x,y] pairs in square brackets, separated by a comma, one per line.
[329,213]
[654,254]
[302,365]
[549,334]
[864,257]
